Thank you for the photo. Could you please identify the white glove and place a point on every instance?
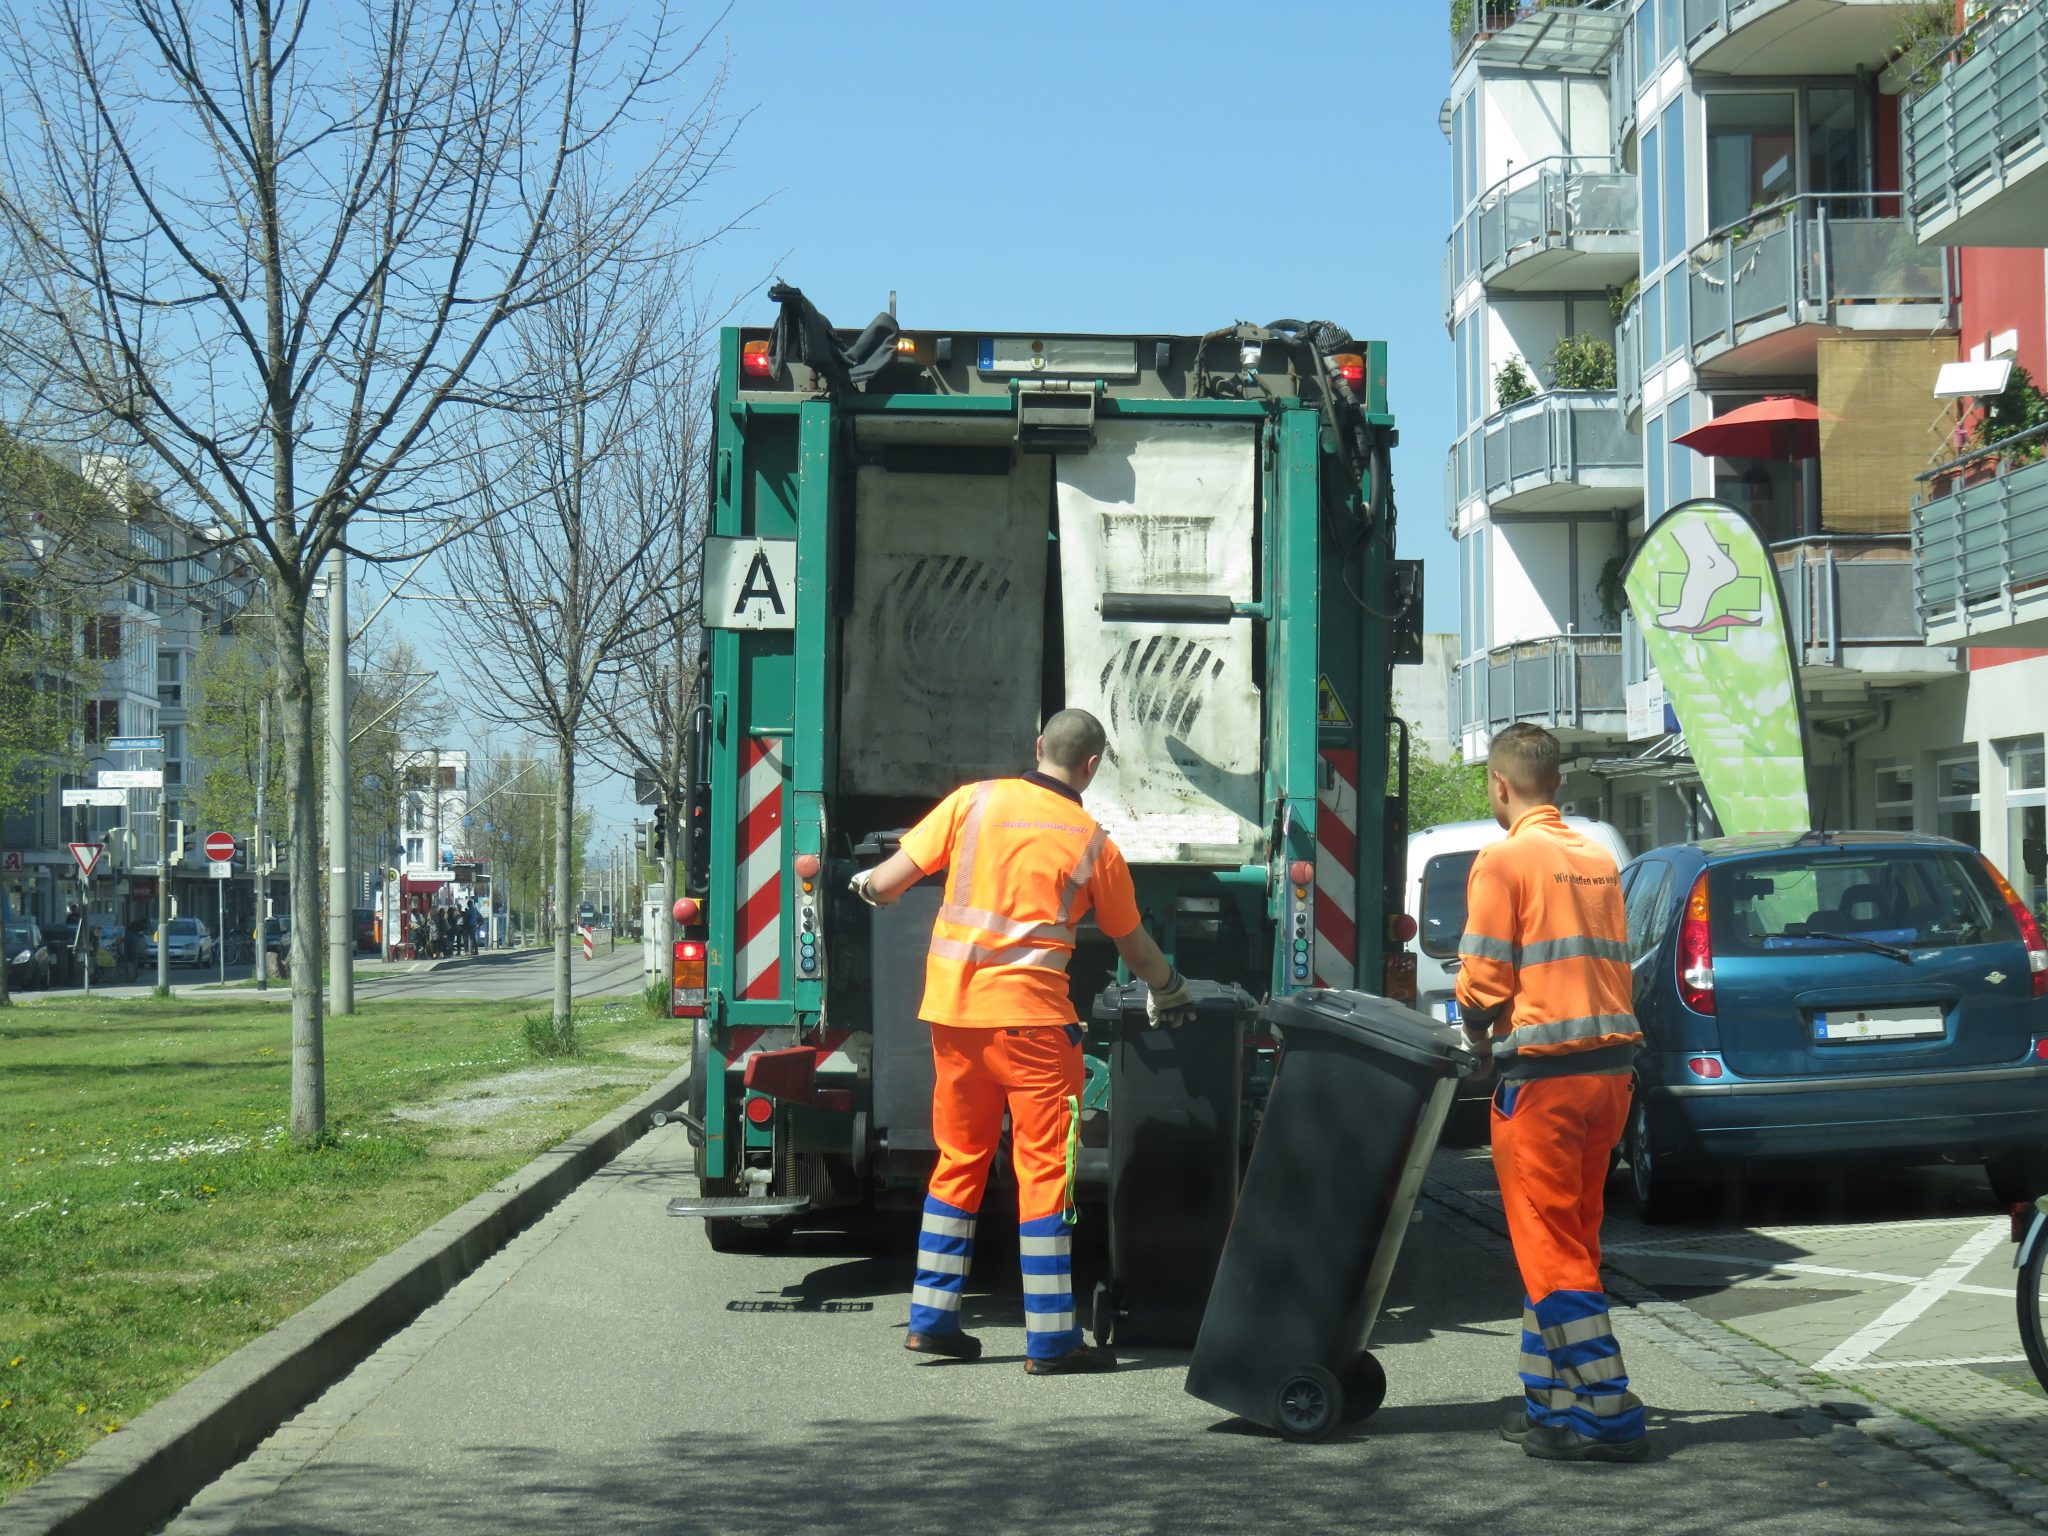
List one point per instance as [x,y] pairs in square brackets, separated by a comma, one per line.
[1171,1004]
[862,885]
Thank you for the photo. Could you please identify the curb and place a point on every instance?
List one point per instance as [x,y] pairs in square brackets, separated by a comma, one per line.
[137,1478]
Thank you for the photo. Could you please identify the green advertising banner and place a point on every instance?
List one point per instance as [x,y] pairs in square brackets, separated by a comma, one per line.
[1706,597]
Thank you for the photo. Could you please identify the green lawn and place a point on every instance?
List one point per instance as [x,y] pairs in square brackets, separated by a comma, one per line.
[154,1215]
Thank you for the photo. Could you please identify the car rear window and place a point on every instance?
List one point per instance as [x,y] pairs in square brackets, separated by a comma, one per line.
[1443,901]
[1927,898]
[184,925]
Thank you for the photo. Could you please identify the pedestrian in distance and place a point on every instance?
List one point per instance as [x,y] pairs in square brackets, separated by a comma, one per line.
[1024,862]
[1544,989]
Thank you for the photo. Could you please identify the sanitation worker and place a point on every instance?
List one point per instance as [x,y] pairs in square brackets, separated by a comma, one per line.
[1544,988]
[1024,863]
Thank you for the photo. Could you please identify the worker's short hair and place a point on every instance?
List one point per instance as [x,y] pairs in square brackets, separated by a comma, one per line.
[1526,756]
[1071,737]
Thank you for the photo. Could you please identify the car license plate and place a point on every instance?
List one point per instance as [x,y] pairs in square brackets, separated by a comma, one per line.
[1849,1025]
[1450,1010]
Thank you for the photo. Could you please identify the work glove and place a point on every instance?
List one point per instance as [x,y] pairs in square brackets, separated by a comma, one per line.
[1171,1004]
[862,885]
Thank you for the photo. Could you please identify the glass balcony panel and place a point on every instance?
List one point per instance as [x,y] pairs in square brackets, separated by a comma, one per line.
[1878,259]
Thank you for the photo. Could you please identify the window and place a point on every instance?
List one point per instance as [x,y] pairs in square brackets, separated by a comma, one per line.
[1894,811]
[1671,129]
[1646,921]
[1655,504]
[2026,821]
[1635,822]
[1646,40]
[1670,26]
[1751,146]
[1928,898]
[1834,148]
[1443,901]
[1649,175]
[102,719]
[170,679]
[103,639]
[1678,459]
[1957,806]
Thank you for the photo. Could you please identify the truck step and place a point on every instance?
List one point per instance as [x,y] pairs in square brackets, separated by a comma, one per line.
[740,1207]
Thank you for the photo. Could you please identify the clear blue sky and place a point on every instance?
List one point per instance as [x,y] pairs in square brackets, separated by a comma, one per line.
[1122,165]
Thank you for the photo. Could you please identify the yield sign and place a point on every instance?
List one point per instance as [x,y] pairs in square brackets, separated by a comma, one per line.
[88,855]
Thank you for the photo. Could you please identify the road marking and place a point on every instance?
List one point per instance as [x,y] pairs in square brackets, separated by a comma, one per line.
[1918,1365]
[1788,1266]
[1900,1315]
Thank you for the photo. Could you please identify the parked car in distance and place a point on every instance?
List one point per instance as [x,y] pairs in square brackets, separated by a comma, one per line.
[186,939]
[1834,994]
[365,919]
[586,914]
[28,962]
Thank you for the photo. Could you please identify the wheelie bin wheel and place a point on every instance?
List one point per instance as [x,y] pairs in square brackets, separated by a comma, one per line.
[1308,1403]
[1104,1321]
[1365,1388]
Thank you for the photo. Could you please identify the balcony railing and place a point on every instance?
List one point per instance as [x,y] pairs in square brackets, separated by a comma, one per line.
[1628,360]
[1538,34]
[1845,593]
[1560,206]
[1569,682]
[1572,444]
[1980,544]
[1979,131]
[1827,258]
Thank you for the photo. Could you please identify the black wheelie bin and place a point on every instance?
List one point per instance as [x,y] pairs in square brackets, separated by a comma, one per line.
[1175,1099]
[1359,1098]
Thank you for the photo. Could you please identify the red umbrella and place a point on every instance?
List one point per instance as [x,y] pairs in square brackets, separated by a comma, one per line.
[1778,428]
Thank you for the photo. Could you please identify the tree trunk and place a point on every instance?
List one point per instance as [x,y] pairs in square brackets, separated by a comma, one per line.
[302,794]
[565,835]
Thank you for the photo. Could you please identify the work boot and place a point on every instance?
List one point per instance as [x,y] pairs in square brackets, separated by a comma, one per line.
[1080,1359]
[1515,1422]
[954,1346]
[1556,1442]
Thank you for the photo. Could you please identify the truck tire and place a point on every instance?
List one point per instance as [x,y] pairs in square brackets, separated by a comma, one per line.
[727,1236]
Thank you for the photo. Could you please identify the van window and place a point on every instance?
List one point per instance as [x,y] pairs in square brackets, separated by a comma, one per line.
[1927,898]
[1443,901]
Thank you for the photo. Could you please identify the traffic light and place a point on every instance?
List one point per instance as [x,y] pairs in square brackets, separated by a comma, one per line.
[657,829]
[174,851]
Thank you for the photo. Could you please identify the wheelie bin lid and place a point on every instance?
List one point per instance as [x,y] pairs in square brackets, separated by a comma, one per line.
[1376,1023]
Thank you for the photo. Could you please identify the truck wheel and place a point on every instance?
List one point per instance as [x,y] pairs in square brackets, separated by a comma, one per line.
[1365,1388]
[728,1236]
[1104,1320]
[1657,1178]
[1307,1404]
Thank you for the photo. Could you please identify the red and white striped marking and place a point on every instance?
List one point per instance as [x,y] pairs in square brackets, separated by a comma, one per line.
[1336,940]
[746,1040]
[589,944]
[757,890]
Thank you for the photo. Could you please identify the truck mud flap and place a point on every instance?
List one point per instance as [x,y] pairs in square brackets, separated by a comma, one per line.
[740,1207]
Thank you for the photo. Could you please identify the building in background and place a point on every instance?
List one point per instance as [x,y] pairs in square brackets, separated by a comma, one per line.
[1718,191]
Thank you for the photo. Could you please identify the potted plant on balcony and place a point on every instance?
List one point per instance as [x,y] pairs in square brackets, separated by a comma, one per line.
[1619,299]
[2019,407]
[1608,591]
[1925,30]
[1582,361]
[1512,384]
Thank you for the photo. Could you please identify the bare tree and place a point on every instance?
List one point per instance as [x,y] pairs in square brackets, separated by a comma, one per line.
[273,252]
[569,553]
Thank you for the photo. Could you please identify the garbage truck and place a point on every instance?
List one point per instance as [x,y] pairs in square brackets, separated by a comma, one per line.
[921,543]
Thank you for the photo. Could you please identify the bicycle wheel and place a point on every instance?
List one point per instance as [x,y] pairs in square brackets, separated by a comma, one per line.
[2032,1302]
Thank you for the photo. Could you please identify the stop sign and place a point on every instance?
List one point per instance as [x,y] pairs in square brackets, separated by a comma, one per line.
[220,846]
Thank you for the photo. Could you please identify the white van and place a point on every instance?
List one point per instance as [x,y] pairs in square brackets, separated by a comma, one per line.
[1439,859]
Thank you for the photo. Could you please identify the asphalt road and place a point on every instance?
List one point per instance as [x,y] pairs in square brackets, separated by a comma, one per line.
[607,1372]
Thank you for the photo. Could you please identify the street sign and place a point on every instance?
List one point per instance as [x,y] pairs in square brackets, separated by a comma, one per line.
[10,861]
[95,797]
[131,778]
[221,870]
[136,744]
[220,847]
[88,855]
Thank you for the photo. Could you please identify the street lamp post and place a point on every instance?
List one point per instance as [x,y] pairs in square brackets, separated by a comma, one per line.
[341,939]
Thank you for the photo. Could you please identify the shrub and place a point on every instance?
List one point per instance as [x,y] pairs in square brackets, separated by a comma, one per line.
[547,1038]
[1618,299]
[654,996]
[1582,362]
[2019,407]
[1512,384]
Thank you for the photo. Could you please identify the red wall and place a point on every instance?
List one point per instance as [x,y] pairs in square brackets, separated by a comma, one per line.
[2002,290]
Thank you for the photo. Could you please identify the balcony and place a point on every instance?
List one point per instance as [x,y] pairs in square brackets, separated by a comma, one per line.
[1628,363]
[1564,451]
[1563,225]
[1980,548]
[1765,290]
[1536,34]
[1789,37]
[1977,141]
[1569,683]
[1850,610]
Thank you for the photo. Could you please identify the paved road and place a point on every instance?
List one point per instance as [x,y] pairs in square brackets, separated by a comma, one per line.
[496,975]
[608,1373]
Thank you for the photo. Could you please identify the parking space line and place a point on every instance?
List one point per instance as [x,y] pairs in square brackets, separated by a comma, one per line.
[1920,1365]
[1790,1266]
[1900,1315]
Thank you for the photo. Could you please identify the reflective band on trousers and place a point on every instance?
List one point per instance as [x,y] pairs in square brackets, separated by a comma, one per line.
[1592,1027]
[1480,946]
[1602,1404]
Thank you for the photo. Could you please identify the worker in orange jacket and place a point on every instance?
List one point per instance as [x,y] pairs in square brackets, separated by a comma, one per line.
[1544,988]
[1025,863]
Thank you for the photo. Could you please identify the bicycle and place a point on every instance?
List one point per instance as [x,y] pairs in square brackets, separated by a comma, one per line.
[2033,1306]
[237,949]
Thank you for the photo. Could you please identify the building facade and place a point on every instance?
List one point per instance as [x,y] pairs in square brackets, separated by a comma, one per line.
[1723,192]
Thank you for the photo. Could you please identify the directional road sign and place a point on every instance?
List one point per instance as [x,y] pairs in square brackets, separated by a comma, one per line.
[131,778]
[220,846]
[136,744]
[88,855]
[95,797]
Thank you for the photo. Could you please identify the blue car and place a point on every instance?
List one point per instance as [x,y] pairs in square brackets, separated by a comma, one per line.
[1834,994]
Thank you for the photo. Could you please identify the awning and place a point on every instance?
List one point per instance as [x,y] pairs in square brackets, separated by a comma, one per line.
[1778,428]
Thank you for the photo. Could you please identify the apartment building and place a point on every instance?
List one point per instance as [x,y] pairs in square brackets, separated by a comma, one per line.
[1720,192]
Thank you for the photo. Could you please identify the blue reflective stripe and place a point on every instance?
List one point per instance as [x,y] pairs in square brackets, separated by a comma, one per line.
[936,1207]
[1045,1264]
[937,1242]
[1054,1225]
[1568,1306]
[1060,1303]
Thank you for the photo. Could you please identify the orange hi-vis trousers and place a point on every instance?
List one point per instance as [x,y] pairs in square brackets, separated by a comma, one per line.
[1035,1074]
[1551,1140]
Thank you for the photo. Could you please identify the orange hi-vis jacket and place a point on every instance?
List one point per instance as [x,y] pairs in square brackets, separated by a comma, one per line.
[1024,864]
[1546,933]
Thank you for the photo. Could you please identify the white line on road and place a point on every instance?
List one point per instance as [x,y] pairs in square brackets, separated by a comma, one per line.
[1918,1365]
[1896,1318]
[1788,1266]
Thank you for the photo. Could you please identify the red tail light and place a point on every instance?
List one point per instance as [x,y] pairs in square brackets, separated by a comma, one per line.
[2030,930]
[1350,367]
[760,1111]
[686,979]
[1402,928]
[1399,985]
[1707,1067]
[1696,951]
[754,360]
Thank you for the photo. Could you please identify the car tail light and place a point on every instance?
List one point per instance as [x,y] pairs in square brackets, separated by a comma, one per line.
[686,979]
[1400,977]
[2030,930]
[1350,367]
[1696,951]
[1707,1067]
[754,360]
[2041,1048]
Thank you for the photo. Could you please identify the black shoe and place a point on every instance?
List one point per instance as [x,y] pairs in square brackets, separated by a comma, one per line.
[954,1346]
[1515,1422]
[1080,1359]
[1553,1442]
